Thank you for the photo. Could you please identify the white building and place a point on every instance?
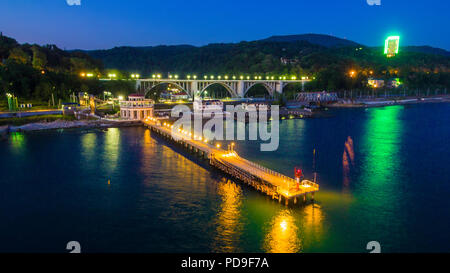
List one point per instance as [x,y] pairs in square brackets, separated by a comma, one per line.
[208,105]
[137,107]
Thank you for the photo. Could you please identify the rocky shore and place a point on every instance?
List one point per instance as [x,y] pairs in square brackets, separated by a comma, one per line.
[62,124]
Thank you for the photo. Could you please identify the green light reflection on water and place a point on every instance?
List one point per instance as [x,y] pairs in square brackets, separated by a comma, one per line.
[381,147]
[378,187]
[18,142]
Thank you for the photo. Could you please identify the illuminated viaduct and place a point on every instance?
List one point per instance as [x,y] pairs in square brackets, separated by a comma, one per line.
[236,88]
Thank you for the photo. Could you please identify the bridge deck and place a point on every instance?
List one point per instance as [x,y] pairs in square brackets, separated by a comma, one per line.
[285,186]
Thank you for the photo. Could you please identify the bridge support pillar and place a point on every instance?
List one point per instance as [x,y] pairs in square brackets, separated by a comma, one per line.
[240,89]
[279,87]
[138,87]
[193,89]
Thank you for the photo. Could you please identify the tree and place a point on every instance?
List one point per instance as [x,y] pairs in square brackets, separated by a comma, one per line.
[19,56]
[39,58]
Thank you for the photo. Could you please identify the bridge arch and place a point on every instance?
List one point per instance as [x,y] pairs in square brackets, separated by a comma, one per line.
[147,90]
[230,90]
[291,92]
[269,89]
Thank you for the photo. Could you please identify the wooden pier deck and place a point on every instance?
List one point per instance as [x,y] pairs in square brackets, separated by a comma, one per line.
[270,182]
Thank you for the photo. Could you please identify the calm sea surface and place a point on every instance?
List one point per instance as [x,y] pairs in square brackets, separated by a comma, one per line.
[384,176]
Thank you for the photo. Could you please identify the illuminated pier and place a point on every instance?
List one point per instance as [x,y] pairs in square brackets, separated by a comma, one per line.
[272,183]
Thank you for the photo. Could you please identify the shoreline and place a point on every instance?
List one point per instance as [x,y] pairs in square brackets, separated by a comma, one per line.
[385,102]
[108,123]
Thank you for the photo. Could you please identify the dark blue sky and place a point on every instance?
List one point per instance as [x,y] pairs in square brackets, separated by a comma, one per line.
[107,23]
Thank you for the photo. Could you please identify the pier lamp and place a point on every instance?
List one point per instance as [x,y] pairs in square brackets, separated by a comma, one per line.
[218,145]
[176,76]
[170,76]
[206,77]
[195,77]
[212,77]
[219,77]
[120,97]
[293,78]
[226,77]
[272,78]
[234,77]
[137,76]
[188,76]
[248,77]
[232,146]
[241,77]
[159,76]
[153,76]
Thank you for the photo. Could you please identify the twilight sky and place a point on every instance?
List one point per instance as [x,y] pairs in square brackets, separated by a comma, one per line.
[99,24]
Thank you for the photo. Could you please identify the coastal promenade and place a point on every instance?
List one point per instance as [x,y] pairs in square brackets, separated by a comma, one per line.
[268,181]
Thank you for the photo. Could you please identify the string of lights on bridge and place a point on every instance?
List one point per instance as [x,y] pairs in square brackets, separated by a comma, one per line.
[134,76]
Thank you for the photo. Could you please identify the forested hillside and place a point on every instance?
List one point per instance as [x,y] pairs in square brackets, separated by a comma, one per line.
[36,72]
[329,61]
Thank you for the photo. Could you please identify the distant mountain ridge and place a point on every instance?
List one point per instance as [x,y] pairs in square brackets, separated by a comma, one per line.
[316,39]
[427,50]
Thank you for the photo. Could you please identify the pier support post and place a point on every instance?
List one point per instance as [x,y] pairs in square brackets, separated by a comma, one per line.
[295,200]
[287,201]
[312,196]
[304,197]
[279,198]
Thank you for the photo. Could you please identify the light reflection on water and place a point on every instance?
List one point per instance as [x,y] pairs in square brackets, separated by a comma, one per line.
[283,234]
[89,145]
[228,218]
